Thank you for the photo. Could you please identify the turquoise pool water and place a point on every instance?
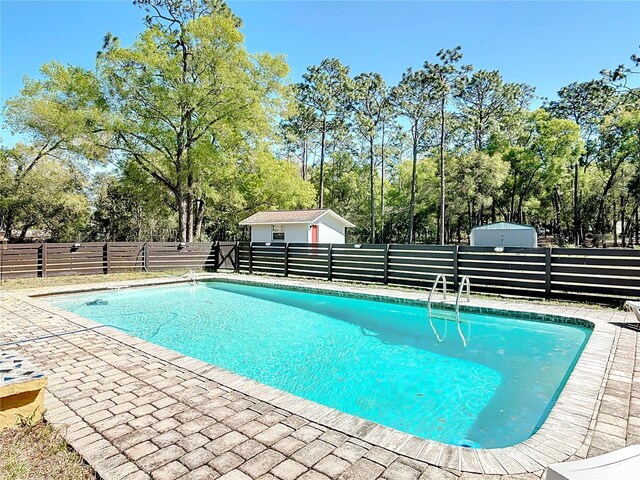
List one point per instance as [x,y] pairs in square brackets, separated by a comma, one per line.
[380,361]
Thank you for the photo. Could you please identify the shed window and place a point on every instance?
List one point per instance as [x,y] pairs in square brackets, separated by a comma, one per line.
[277,232]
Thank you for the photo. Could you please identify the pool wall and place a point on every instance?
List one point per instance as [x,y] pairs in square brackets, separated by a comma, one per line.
[561,436]
[389,298]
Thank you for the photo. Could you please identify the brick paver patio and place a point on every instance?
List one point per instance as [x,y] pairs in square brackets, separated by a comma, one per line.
[138,411]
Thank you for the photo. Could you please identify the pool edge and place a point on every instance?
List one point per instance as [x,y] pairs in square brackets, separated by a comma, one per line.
[560,436]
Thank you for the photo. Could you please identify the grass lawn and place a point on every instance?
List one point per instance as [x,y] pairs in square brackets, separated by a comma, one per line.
[38,452]
[21,283]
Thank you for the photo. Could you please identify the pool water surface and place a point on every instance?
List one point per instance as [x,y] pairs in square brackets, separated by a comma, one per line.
[381,361]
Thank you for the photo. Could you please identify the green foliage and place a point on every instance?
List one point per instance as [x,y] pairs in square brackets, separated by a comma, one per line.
[488,105]
[347,192]
[477,178]
[322,98]
[369,104]
[130,207]
[427,200]
[180,113]
[540,160]
[183,133]
[48,196]
[416,99]
[53,114]
[190,102]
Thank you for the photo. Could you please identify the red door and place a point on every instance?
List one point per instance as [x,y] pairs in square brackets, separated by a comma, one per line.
[314,233]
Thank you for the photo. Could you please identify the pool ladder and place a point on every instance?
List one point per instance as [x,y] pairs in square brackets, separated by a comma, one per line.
[442,277]
[190,276]
[464,282]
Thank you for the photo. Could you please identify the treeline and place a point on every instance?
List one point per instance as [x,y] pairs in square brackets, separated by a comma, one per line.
[182,134]
[449,148]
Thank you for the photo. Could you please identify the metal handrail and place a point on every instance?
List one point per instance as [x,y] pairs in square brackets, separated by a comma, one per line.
[435,332]
[190,276]
[464,281]
[444,297]
[433,289]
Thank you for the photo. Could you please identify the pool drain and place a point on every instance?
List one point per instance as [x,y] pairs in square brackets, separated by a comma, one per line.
[98,301]
[465,442]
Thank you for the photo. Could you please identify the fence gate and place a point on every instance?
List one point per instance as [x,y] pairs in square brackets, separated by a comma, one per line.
[227,256]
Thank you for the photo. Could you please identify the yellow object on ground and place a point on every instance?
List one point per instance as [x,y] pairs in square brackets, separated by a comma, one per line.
[21,390]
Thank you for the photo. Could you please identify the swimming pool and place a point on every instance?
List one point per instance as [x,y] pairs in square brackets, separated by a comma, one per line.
[377,360]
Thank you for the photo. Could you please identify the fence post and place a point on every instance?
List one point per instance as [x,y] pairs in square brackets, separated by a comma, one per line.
[286,259]
[456,274]
[250,257]
[237,257]
[547,273]
[329,262]
[216,253]
[385,277]
[43,259]
[107,248]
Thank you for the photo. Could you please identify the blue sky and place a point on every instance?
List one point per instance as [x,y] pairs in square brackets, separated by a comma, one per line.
[545,44]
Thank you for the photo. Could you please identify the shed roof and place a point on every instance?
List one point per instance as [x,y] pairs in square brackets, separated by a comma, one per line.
[280,217]
[503,226]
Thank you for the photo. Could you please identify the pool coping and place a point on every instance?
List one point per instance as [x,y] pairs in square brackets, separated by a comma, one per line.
[564,431]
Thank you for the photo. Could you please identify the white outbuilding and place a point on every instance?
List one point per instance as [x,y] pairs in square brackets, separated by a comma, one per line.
[504,234]
[297,226]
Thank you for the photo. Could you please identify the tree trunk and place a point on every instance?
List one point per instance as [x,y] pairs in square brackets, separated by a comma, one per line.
[382,186]
[623,212]
[520,205]
[372,205]
[199,219]
[322,146]
[182,218]
[513,204]
[615,229]
[442,172]
[139,223]
[520,211]
[412,199]
[8,231]
[637,230]
[24,231]
[600,221]
[556,208]
[189,212]
[576,207]
[304,160]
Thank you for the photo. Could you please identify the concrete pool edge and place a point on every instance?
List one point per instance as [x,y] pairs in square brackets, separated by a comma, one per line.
[561,435]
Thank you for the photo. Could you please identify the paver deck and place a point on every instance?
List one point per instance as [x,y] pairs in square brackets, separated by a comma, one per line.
[135,410]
